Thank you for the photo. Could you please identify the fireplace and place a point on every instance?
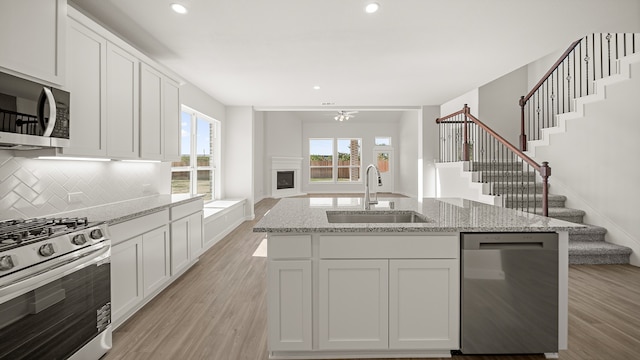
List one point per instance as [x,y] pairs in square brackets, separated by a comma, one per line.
[284,180]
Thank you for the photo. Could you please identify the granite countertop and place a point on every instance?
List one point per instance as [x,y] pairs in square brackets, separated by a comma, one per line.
[117,212]
[308,215]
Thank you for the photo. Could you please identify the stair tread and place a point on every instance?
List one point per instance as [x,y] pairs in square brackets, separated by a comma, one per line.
[589,229]
[560,211]
[596,247]
[537,196]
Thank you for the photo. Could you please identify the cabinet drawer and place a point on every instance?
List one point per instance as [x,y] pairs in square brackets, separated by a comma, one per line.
[444,246]
[182,210]
[128,229]
[289,246]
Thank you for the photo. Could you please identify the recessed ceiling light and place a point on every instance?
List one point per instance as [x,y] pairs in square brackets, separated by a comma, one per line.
[179,8]
[372,7]
[316,87]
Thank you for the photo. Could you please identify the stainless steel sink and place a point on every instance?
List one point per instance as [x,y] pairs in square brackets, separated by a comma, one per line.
[375,217]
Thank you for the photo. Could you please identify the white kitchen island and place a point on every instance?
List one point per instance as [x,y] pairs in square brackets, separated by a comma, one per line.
[366,290]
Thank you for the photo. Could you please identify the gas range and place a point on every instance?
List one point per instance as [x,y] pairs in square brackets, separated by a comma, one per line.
[25,243]
[55,289]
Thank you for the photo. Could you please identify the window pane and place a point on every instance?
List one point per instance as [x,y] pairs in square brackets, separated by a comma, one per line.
[203,157]
[349,158]
[185,140]
[383,162]
[203,138]
[180,181]
[348,174]
[383,141]
[321,159]
[204,183]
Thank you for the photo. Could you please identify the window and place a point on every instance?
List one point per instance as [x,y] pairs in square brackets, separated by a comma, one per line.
[321,160]
[323,168]
[349,159]
[196,172]
[382,141]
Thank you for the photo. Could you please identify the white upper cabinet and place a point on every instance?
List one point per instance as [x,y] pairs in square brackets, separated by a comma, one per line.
[151,122]
[171,116]
[32,38]
[159,115]
[122,103]
[86,73]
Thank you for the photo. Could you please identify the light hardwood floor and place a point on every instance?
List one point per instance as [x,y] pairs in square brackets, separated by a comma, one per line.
[217,310]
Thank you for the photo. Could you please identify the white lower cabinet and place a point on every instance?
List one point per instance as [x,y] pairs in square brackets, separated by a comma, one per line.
[139,267]
[289,304]
[186,241]
[149,252]
[333,295]
[196,234]
[155,259]
[353,304]
[126,278]
[423,304]
[179,245]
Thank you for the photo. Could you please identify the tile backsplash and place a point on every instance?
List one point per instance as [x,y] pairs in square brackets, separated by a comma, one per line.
[32,187]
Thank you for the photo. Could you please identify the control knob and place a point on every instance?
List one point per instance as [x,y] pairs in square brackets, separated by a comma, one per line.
[46,250]
[6,263]
[79,239]
[95,234]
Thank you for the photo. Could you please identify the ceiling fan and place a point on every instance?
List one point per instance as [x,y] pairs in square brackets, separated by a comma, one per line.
[344,115]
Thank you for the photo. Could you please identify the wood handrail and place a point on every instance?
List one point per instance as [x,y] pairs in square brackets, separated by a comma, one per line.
[524,99]
[544,170]
[506,143]
[440,119]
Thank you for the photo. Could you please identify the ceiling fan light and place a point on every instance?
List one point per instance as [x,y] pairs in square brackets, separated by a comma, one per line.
[372,7]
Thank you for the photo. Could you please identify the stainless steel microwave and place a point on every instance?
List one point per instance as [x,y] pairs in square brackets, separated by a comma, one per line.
[32,115]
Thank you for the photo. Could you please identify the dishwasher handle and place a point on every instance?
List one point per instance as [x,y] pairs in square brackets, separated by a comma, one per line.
[510,245]
[510,241]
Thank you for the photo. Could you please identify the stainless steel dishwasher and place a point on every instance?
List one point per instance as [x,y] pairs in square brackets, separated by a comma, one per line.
[509,293]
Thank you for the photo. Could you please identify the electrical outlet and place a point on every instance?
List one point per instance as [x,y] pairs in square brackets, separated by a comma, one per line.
[74,197]
[146,188]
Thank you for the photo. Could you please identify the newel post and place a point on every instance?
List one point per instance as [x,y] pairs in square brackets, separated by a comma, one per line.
[545,172]
[465,141]
[523,136]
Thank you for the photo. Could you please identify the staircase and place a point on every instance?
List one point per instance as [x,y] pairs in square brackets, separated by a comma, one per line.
[513,185]
[503,174]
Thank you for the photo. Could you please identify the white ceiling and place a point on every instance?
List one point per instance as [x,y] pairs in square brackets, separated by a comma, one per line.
[410,53]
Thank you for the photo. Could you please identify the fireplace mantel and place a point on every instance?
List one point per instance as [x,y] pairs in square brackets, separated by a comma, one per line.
[286,164]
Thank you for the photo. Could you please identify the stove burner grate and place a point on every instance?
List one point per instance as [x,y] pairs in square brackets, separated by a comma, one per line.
[20,232]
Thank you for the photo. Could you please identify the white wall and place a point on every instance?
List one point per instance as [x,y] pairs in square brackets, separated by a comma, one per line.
[470,98]
[430,143]
[499,104]
[538,68]
[258,154]
[594,163]
[282,138]
[197,99]
[237,154]
[408,154]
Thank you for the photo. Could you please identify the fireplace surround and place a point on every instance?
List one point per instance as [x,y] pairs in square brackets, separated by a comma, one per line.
[285,176]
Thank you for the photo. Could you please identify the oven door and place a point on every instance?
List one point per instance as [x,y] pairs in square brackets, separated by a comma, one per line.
[58,308]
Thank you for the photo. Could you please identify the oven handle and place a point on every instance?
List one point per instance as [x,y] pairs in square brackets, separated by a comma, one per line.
[64,266]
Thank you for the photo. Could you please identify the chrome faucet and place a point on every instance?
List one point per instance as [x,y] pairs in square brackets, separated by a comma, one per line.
[367,196]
